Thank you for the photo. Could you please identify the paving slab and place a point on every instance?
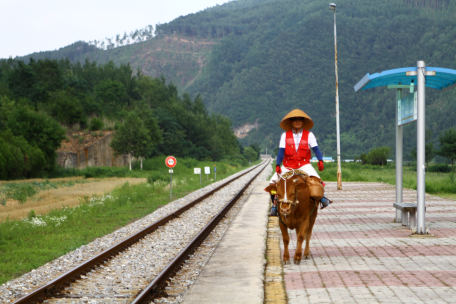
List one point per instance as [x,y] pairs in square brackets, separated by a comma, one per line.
[234,273]
[359,255]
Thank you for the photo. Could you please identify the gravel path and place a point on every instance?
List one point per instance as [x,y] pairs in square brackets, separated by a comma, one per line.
[121,277]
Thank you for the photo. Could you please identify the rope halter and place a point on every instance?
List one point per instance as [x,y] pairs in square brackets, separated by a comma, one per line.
[286,176]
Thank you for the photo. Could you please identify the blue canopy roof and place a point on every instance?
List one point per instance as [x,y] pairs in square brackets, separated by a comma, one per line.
[443,78]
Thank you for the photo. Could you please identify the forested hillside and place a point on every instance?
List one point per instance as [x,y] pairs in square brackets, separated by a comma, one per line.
[279,55]
[175,57]
[40,100]
[258,59]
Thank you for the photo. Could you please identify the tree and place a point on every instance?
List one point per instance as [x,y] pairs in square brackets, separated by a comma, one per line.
[250,153]
[8,159]
[38,129]
[257,149]
[447,141]
[67,109]
[151,123]
[429,149]
[33,158]
[132,138]
[111,93]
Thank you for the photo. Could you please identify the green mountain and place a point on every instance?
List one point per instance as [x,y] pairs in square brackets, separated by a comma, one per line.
[255,60]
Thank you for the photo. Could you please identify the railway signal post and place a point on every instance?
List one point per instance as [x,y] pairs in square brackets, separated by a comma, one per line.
[171,161]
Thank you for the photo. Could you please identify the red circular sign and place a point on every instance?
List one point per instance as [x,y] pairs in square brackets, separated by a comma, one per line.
[171,161]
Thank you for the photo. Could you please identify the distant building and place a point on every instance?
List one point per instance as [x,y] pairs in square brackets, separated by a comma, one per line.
[325,159]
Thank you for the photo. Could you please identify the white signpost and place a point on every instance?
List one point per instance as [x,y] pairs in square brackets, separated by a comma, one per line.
[207,171]
[215,172]
[197,171]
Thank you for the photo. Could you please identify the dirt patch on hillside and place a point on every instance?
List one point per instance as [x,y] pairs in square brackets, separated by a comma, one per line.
[77,141]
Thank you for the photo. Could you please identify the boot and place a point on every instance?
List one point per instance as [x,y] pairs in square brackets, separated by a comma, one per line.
[325,202]
[273,211]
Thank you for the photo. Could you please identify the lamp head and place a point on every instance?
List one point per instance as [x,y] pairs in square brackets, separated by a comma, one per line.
[332,6]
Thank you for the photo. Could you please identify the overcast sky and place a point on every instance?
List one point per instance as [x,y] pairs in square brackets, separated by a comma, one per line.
[28,26]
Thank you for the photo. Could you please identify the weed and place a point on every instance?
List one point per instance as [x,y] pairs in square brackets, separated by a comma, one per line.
[81,139]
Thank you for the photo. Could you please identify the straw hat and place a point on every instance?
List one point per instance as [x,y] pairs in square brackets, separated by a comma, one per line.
[307,124]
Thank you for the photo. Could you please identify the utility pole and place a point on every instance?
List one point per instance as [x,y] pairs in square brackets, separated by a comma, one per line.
[332,6]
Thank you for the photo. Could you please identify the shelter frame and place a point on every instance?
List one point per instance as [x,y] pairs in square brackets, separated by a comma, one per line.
[422,76]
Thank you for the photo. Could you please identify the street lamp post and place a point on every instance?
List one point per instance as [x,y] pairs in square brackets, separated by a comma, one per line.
[332,6]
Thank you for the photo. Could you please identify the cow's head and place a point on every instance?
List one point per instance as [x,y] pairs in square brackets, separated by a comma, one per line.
[287,192]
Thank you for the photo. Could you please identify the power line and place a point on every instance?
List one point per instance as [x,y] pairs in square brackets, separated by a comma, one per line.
[442,54]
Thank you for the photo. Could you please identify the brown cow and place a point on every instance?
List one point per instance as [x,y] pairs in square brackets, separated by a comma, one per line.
[297,210]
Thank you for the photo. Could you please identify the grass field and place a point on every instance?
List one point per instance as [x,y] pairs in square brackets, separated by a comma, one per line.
[64,192]
[34,240]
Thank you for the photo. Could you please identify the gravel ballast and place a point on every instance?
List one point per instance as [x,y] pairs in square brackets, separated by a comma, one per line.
[121,278]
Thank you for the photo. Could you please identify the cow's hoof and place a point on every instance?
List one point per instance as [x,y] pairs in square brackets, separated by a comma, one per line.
[297,262]
[286,262]
[306,257]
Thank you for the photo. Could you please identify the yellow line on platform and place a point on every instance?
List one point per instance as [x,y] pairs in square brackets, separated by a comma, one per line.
[274,291]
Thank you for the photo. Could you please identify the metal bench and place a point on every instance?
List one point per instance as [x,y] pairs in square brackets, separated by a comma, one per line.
[408,211]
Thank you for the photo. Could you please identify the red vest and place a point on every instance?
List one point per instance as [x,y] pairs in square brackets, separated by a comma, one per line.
[293,159]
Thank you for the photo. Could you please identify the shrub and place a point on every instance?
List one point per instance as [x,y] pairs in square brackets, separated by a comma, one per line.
[443,168]
[94,134]
[96,124]
[155,176]
[81,140]
[2,167]
[18,165]
[376,157]
[105,172]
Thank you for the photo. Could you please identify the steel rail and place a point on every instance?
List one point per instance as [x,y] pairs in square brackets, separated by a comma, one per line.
[147,294]
[65,279]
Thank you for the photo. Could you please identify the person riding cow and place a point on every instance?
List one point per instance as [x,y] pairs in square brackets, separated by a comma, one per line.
[294,149]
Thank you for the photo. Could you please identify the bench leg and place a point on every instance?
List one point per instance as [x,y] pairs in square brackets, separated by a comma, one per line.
[412,221]
[404,218]
[398,216]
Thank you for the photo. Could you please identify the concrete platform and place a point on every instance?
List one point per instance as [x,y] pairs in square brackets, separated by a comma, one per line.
[234,273]
[358,255]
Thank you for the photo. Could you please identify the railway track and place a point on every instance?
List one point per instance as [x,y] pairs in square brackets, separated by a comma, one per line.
[140,268]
